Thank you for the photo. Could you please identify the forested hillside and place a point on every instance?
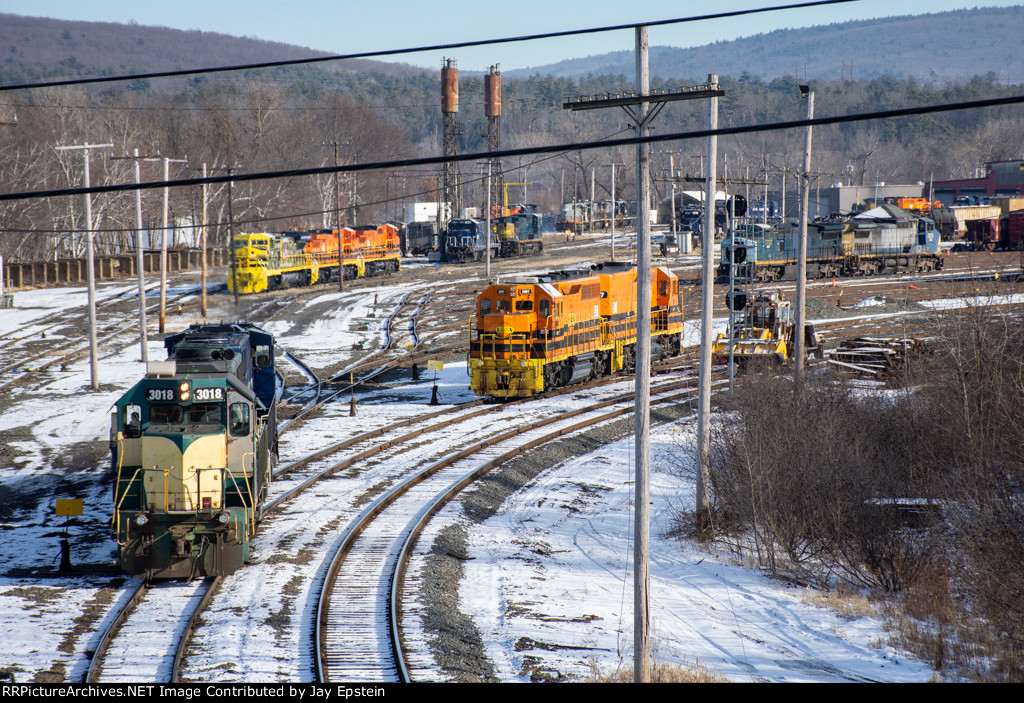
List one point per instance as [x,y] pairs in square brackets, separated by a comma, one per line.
[943,46]
[285,118]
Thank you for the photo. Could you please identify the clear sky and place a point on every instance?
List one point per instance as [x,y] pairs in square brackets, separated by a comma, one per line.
[347,26]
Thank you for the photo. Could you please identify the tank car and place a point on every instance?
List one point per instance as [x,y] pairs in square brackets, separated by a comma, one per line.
[533,334]
[192,450]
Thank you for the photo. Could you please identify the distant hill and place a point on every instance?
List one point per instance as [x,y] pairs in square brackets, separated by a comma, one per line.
[36,48]
[945,46]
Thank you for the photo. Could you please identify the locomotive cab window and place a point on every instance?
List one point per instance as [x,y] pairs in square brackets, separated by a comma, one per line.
[522,305]
[545,308]
[485,307]
[239,419]
[262,356]
[504,306]
[132,421]
[663,287]
[166,414]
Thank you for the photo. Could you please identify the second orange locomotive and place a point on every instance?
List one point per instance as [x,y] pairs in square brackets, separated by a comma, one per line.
[532,334]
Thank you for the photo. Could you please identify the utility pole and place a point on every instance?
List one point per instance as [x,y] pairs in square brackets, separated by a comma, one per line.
[203,236]
[613,208]
[489,164]
[163,241]
[90,265]
[638,107]
[139,252]
[337,218]
[801,261]
[672,173]
[231,234]
[703,502]
[593,173]
[642,415]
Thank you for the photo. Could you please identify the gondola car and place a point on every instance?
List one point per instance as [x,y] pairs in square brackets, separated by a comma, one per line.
[192,449]
[533,334]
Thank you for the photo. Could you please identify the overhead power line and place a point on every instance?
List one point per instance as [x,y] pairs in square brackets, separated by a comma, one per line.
[525,151]
[418,49]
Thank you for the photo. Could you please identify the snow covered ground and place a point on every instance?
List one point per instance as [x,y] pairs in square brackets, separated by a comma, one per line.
[549,583]
[549,580]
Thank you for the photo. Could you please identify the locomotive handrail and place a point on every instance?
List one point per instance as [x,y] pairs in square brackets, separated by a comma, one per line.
[117,506]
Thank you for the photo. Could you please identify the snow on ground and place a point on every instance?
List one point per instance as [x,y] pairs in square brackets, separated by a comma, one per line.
[549,583]
[552,568]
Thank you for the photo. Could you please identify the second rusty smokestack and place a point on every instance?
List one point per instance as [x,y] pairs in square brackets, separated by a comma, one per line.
[492,93]
[449,87]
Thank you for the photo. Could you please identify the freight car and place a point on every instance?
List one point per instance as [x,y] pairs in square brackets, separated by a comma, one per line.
[192,449]
[263,261]
[421,238]
[533,334]
[883,240]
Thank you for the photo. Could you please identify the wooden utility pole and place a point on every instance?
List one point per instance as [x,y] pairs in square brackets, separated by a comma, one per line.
[203,237]
[163,241]
[612,214]
[801,261]
[139,249]
[231,234]
[638,107]
[642,416]
[90,265]
[337,218]
[703,501]
[487,238]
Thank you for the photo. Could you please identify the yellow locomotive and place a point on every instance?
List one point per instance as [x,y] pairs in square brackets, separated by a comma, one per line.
[536,333]
[272,260]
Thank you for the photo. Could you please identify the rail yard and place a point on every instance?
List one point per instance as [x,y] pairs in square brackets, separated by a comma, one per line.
[412,531]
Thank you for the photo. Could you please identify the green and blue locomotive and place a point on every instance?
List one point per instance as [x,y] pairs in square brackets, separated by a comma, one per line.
[192,451]
[881,241]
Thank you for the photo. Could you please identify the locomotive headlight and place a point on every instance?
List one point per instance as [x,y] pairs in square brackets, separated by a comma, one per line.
[223,517]
[141,519]
[185,390]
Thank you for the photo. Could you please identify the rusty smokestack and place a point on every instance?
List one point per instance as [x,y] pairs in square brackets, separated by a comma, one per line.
[449,87]
[492,93]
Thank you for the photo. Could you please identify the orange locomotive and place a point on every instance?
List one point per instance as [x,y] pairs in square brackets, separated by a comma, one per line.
[271,260]
[368,251]
[565,327]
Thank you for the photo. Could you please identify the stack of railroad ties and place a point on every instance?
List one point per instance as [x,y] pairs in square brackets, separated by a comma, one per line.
[875,357]
[531,334]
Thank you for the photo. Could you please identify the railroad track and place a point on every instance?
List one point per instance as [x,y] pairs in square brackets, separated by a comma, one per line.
[106,334]
[147,640]
[386,470]
[376,548]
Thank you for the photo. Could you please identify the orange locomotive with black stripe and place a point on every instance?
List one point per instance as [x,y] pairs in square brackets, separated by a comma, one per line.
[531,334]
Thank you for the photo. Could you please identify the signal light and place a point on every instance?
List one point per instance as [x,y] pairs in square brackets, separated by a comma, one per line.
[735,300]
